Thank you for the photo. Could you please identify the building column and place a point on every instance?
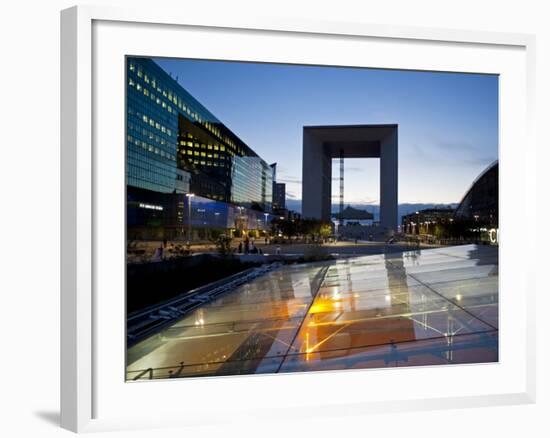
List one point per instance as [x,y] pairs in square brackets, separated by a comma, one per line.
[316,179]
[388,181]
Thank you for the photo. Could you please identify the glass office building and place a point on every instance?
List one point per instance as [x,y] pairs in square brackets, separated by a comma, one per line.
[175,146]
[252,183]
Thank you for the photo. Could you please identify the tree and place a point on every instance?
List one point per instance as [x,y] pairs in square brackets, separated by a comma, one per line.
[223,245]
[325,230]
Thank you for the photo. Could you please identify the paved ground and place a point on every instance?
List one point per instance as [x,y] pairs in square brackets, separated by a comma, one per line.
[344,248]
[428,307]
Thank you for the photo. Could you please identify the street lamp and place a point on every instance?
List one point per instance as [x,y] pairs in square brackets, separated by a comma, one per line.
[189,196]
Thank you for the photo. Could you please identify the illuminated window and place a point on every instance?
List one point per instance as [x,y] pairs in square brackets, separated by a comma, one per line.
[209,146]
[216,147]
[222,148]
[203,154]
[132,66]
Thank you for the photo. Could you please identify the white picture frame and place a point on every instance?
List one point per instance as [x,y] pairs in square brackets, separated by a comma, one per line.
[94,396]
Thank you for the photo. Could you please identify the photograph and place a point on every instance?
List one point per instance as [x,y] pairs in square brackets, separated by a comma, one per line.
[286,218]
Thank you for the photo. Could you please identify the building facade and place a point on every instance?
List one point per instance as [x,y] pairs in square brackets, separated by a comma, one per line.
[424,221]
[480,203]
[176,147]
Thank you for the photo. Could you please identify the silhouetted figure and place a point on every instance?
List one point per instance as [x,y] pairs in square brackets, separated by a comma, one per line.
[159,254]
[240,247]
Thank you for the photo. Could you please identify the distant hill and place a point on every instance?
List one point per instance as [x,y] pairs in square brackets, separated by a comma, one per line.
[402,209]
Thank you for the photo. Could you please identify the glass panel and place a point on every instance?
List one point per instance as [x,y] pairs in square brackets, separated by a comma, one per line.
[477,348]
[416,308]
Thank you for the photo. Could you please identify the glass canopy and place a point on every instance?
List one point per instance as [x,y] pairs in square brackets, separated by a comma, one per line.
[425,307]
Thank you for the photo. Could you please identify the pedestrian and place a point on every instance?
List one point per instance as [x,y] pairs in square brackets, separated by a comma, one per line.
[240,247]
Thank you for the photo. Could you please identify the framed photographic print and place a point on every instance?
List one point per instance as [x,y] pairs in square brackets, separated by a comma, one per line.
[266,214]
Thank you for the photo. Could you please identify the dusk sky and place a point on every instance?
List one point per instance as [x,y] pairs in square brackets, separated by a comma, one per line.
[448,123]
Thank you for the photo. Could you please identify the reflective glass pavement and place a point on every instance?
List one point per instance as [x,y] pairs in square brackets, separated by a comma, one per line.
[427,307]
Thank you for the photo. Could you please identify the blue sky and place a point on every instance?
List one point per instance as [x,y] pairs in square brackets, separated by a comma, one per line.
[448,122]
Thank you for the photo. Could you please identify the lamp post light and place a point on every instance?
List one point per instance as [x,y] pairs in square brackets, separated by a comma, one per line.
[189,196]
[478,233]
